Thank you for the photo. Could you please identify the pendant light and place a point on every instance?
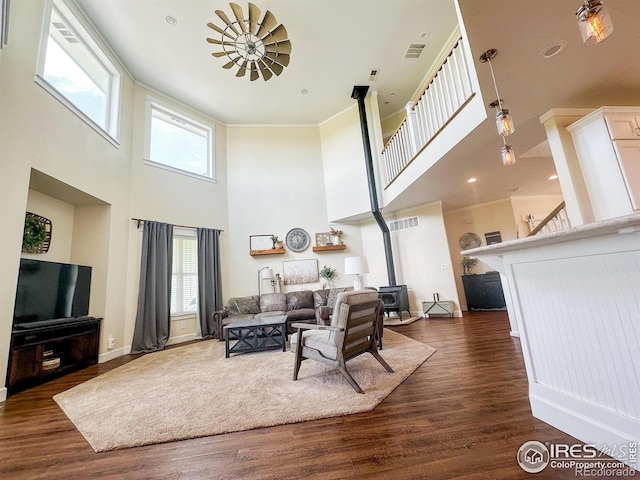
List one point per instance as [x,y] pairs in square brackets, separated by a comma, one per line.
[594,22]
[508,155]
[504,121]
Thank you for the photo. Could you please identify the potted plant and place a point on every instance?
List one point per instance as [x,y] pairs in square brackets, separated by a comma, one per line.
[467,263]
[328,274]
[275,241]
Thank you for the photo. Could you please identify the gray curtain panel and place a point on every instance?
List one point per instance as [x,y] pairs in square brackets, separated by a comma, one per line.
[209,279]
[154,298]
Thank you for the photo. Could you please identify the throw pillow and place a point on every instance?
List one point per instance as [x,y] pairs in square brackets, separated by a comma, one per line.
[247,305]
[333,295]
[320,298]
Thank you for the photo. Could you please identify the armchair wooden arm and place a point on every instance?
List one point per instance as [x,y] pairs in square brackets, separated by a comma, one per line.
[310,326]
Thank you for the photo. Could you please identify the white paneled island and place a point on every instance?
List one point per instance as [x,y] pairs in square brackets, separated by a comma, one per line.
[575,297]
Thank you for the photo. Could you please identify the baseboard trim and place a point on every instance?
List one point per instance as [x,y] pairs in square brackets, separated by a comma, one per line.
[585,421]
[111,354]
[181,338]
[3,394]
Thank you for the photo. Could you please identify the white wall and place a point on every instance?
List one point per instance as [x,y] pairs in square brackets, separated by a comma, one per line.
[418,255]
[345,175]
[276,183]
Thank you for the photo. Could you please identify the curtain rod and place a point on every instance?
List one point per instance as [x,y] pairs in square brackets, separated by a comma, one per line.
[140,220]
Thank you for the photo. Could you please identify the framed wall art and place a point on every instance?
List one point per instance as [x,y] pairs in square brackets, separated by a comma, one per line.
[260,242]
[324,239]
[296,272]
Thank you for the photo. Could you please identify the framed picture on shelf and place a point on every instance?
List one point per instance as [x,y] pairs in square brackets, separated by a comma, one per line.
[260,242]
[323,239]
[300,271]
[493,237]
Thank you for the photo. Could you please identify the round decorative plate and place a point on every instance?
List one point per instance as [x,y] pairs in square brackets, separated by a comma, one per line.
[297,239]
[469,240]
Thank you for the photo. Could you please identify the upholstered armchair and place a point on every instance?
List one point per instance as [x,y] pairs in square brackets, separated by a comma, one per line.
[352,332]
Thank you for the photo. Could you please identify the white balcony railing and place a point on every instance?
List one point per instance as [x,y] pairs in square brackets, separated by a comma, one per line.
[448,91]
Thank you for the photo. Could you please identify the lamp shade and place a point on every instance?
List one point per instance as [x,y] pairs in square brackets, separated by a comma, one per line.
[508,156]
[504,122]
[594,22]
[355,266]
[267,274]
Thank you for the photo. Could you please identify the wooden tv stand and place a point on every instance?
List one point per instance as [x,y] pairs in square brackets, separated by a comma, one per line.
[49,349]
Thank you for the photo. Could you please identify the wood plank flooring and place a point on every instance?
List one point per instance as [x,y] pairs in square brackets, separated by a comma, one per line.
[462,415]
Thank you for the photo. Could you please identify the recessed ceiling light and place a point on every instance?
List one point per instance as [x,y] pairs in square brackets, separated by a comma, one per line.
[424,35]
[171,20]
[304,91]
[553,177]
[392,94]
[552,50]
[472,179]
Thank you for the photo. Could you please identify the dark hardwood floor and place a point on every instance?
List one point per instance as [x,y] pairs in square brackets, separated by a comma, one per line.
[463,414]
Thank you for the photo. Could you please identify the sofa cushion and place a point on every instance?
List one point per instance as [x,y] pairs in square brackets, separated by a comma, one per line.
[273,302]
[320,298]
[273,313]
[301,314]
[243,305]
[298,300]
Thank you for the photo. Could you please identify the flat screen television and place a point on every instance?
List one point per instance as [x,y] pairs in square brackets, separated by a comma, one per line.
[49,292]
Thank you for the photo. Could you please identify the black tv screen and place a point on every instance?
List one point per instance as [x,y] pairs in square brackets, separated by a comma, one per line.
[51,291]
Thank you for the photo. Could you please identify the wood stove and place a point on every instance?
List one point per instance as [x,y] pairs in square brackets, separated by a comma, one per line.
[395,299]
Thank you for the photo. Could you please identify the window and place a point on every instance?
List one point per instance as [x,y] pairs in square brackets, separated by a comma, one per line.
[184,276]
[177,142]
[77,71]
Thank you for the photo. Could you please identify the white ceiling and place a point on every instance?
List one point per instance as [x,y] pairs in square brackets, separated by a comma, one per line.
[336,43]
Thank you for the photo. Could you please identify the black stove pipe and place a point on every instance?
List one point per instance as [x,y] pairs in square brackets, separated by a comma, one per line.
[359,93]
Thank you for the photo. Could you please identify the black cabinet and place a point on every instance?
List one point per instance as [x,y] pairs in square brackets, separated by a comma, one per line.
[484,292]
[43,352]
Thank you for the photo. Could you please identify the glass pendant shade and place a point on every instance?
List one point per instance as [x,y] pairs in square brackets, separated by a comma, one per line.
[594,22]
[508,156]
[504,122]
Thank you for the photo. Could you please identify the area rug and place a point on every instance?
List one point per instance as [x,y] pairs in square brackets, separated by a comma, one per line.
[396,322]
[194,391]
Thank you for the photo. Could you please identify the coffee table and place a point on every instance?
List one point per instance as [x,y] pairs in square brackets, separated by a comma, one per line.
[256,334]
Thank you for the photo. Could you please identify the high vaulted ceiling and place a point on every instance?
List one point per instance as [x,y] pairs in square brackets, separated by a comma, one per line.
[337,43]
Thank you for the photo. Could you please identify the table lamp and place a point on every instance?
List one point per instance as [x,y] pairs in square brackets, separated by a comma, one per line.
[356,266]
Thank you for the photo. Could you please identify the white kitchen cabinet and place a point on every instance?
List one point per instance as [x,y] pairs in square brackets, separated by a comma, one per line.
[608,151]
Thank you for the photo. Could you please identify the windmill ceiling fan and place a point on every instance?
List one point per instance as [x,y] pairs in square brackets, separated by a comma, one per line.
[258,46]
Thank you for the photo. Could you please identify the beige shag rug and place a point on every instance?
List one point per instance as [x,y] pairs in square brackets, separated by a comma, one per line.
[194,391]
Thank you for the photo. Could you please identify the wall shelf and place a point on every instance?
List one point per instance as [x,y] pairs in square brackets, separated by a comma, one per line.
[329,248]
[271,251]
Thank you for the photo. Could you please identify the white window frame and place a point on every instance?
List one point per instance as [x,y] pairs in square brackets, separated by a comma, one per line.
[182,120]
[87,35]
[191,235]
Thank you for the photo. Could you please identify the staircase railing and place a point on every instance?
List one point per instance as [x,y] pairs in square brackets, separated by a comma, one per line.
[556,220]
[448,91]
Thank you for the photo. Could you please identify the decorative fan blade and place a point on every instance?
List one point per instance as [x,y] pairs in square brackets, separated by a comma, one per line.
[276,67]
[268,22]
[280,47]
[281,59]
[242,70]
[237,11]
[225,19]
[264,69]
[220,42]
[230,64]
[254,16]
[254,72]
[219,54]
[278,35]
[219,30]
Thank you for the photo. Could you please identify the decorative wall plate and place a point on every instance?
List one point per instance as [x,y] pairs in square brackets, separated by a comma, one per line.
[469,240]
[297,239]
